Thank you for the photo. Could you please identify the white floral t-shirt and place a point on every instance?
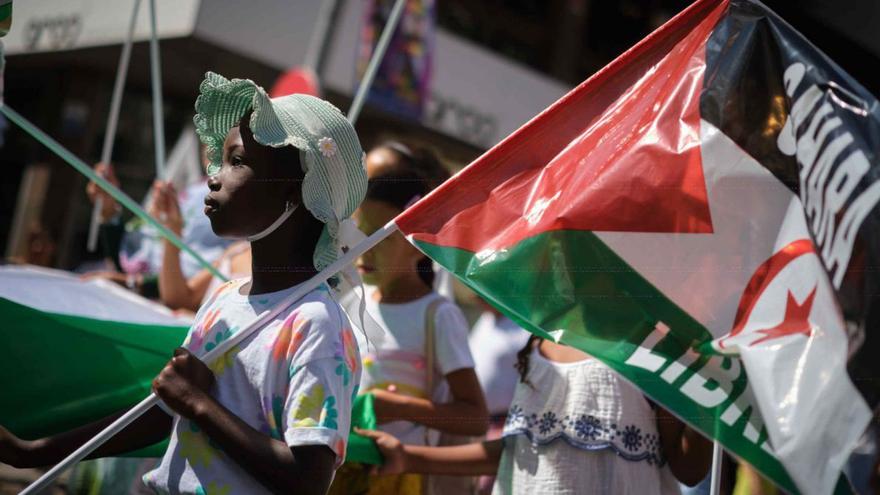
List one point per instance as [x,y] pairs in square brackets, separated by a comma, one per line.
[294,380]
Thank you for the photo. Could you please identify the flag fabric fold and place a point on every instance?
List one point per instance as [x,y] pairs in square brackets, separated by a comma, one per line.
[698,215]
[76,351]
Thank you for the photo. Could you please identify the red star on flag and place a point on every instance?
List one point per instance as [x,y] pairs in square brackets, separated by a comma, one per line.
[796,319]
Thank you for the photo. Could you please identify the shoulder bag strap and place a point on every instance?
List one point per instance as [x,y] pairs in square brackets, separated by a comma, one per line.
[430,354]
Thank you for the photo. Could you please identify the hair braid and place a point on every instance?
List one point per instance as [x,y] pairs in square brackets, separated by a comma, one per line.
[522,357]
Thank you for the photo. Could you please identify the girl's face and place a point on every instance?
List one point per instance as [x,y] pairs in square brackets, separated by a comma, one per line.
[253,185]
[392,259]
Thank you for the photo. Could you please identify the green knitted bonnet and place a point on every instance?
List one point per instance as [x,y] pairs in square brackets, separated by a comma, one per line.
[331,156]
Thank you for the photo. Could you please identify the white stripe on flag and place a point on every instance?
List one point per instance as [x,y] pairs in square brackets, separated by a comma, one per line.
[812,412]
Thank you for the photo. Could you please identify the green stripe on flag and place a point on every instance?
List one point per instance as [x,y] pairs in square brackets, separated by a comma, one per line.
[62,371]
[569,286]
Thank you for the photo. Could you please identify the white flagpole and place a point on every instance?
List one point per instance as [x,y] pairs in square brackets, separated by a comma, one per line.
[715,481]
[156,83]
[373,66]
[112,120]
[267,316]
[308,286]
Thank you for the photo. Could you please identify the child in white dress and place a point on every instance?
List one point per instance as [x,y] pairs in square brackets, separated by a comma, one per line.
[575,426]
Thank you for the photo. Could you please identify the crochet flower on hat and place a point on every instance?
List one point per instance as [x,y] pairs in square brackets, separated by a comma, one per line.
[327,146]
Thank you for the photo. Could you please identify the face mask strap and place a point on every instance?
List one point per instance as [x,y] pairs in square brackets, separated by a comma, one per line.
[289,208]
[350,293]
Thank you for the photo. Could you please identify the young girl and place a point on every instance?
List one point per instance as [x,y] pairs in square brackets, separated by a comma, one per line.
[411,400]
[574,427]
[272,415]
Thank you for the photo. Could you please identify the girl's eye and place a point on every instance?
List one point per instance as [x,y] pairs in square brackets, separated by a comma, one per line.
[235,160]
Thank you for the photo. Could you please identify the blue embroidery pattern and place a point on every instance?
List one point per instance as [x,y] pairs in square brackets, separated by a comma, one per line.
[585,432]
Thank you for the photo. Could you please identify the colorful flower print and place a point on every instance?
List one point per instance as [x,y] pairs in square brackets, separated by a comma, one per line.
[224,362]
[309,409]
[220,290]
[196,337]
[194,446]
[290,337]
[219,337]
[329,415]
[274,415]
[347,355]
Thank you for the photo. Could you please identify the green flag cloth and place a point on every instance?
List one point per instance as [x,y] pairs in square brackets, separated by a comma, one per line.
[78,351]
[362,449]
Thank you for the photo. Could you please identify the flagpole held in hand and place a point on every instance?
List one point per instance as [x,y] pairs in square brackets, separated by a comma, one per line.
[267,316]
[112,121]
[715,481]
[156,84]
[339,265]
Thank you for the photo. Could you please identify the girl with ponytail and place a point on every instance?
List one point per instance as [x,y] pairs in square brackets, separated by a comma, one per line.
[422,375]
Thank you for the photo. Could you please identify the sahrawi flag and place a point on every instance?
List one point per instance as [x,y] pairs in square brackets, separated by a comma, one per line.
[698,215]
[75,351]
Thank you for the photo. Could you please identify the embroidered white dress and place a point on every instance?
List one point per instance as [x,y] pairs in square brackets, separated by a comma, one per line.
[578,428]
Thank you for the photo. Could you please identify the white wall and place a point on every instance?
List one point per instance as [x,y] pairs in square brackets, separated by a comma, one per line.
[53,25]
[477,96]
[274,32]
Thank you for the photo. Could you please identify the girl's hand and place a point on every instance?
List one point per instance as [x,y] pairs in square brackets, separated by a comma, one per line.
[184,383]
[164,206]
[109,205]
[396,458]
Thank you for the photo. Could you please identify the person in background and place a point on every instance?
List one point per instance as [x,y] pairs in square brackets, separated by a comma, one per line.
[40,247]
[495,340]
[388,155]
[575,426]
[421,386]
[135,249]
